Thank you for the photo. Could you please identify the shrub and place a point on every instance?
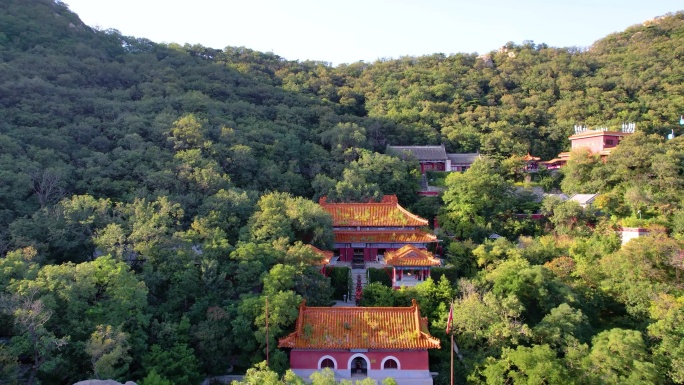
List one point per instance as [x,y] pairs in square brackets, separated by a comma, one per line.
[451,274]
[340,281]
[383,276]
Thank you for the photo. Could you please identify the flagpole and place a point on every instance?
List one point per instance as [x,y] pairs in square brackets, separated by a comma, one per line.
[449,321]
[452,354]
[452,358]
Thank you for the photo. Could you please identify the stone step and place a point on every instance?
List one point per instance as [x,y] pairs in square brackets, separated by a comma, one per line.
[424,182]
[359,272]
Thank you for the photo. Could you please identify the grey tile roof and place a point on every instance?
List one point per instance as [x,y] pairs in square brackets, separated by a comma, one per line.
[561,196]
[583,199]
[468,158]
[422,152]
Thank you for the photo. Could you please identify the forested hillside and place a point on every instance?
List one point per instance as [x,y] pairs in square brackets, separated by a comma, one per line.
[153,195]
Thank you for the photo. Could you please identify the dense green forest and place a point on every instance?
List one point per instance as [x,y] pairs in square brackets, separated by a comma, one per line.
[152,196]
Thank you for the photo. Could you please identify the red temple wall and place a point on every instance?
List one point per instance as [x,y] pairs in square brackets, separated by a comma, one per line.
[432,166]
[408,360]
[597,143]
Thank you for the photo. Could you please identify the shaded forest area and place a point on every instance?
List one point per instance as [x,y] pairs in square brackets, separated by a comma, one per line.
[153,195]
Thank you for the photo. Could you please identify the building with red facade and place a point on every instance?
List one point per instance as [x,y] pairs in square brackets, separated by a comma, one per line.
[600,142]
[364,231]
[431,158]
[435,158]
[531,163]
[361,342]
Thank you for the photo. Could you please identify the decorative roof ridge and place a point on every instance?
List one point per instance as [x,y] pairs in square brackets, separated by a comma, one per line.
[300,318]
[429,338]
[378,231]
[388,200]
[410,214]
[407,309]
[416,314]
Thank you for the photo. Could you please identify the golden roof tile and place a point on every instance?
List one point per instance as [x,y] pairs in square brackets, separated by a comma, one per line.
[360,328]
[386,213]
[410,255]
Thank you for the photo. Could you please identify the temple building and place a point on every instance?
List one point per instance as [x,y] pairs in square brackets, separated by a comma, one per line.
[599,141]
[431,158]
[410,265]
[462,162]
[531,163]
[364,231]
[361,342]
[435,158]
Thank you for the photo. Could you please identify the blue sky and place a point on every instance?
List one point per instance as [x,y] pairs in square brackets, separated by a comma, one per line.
[352,30]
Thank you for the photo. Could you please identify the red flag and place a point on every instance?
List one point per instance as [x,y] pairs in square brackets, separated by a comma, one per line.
[450,320]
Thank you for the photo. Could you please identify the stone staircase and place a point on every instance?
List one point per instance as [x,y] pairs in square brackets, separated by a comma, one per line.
[423,182]
[356,273]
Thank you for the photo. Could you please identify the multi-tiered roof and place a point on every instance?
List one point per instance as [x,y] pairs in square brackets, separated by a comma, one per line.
[376,222]
[386,328]
[386,213]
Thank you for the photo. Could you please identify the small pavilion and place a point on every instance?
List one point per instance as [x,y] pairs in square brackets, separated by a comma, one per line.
[531,163]
[410,265]
[362,342]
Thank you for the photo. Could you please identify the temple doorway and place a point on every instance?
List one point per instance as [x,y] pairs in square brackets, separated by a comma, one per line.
[359,367]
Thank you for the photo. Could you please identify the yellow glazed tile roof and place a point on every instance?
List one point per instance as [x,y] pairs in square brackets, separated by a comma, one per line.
[360,328]
[384,236]
[386,213]
[410,255]
[326,256]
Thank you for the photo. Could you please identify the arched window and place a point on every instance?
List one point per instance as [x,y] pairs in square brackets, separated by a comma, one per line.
[390,363]
[327,363]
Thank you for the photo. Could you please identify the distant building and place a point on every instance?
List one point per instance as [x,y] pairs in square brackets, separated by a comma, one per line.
[431,158]
[584,200]
[435,158]
[531,163]
[629,233]
[362,342]
[462,162]
[600,142]
[365,230]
